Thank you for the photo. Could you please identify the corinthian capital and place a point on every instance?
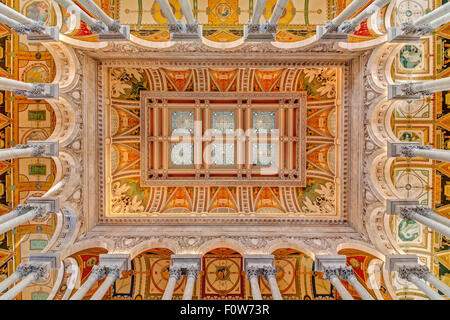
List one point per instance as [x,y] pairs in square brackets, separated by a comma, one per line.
[192,271]
[99,271]
[331,271]
[26,269]
[420,271]
[346,273]
[253,272]
[269,271]
[175,272]
[408,150]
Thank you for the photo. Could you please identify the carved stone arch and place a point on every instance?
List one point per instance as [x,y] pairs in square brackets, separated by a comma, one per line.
[66,64]
[146,245]
[221,243]
[281,244]
[69,177]
[64,235]
[379,115]
[363,45]
[223,45]
[98,242]
[379,66]
[360,246]
[377,232]
[379,176]
[66,127]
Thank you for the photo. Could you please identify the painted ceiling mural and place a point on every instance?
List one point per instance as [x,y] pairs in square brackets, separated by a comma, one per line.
[129,198]
[426,121]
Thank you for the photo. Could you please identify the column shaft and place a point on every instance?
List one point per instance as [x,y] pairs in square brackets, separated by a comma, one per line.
[438,284]
[5,284]
[187,294]
[13,24]
[11,215]
[254,284]
[433,85]
[433,15]
[257,11]
[276,295]
[11,224]
[440,21]
[13,292]
[100,293]
[359,288]
[187,11]
[367,12]
[436,226]
[13,14]
[354,6]
[81,292]
[278,11]
[10,84]
[433,295]
[95,10]
[434,154]
[168,292]
[70,6]
[167,11]
[340,288]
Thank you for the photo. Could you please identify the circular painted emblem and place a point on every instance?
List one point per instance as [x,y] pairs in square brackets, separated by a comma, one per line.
[408,230]
[410,56]
[223,11]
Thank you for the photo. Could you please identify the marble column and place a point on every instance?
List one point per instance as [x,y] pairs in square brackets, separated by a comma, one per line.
[16,276]
[277,12]
[33,149]
[270,274]
[410,209]
[332,274]
[253,273]
[349,26]
[23,214]
[410,32]
[98,272]
[174,276]
[96,26]
[115,32]
[257,11]
[36,31]
[29,273]
[417,90]
[347,274]
[38,266]
[167,11]
[414,149]
[31,90]
[330,31]
[187,11]
[413,274]
[420,215]
[191,277]
[409,269]
[35,207]
[113,273]
[427,276]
